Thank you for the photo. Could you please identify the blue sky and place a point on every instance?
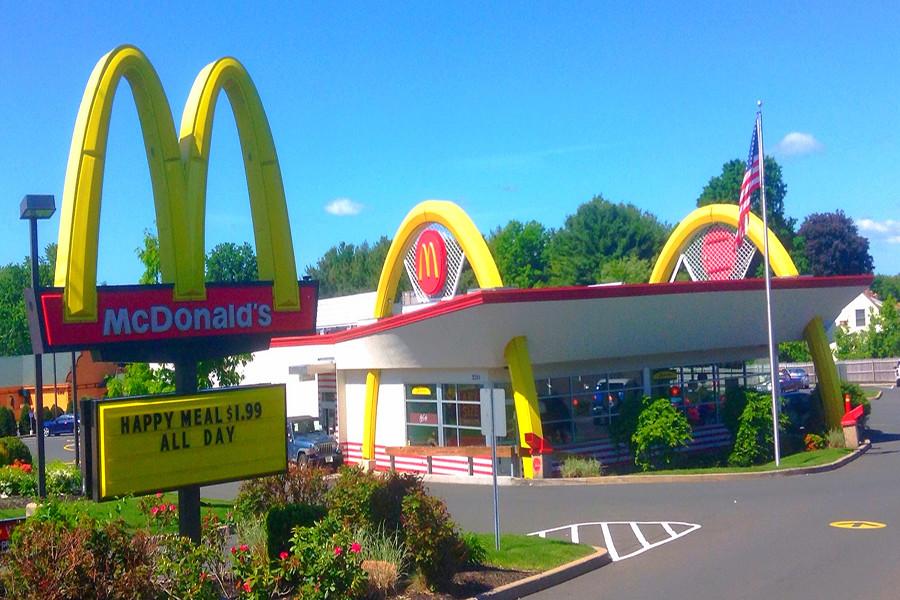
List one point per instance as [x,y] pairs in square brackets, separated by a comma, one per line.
[513,110]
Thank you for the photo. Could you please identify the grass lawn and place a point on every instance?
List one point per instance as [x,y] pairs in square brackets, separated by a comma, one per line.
[800,459]
[129,509]
[530,553]
[871,393]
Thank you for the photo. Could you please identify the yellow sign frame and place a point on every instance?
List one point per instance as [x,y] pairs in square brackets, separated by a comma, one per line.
[157,443]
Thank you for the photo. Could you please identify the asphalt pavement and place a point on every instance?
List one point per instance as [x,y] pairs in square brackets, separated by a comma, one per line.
[761,538]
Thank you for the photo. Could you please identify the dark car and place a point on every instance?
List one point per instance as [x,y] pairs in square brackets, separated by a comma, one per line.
[785,382]
[797,406]
[61,425]
[307,443]
[801,375]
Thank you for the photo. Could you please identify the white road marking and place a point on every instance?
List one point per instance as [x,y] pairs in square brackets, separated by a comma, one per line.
[635,526]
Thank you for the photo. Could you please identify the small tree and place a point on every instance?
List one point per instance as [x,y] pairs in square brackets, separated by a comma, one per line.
[7,422]
[661,430]
[25,420]
[754,442]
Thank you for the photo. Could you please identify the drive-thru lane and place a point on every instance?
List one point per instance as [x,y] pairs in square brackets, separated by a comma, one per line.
[758,538]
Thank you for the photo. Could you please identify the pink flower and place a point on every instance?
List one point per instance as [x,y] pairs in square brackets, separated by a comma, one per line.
[154,510]
[162,508]
[247,587]
[283,555]
[355,548]
[203,576]
[172,508]
[244,547]
[338,550]
[159,494]
[233,549]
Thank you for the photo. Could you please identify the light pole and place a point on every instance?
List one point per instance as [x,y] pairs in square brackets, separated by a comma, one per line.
[32,208]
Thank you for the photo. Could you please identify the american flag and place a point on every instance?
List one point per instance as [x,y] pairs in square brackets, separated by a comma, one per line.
[750,184]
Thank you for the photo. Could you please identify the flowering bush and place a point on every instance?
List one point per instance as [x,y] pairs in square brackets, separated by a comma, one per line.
[161,515]
[814,441]
[200,572]
[300,485]
[325,562]
[15,481]
[14,448]
[62,478]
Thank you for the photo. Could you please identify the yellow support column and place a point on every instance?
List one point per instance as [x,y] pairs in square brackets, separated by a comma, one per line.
[826,372]
[526,403]
[371,416]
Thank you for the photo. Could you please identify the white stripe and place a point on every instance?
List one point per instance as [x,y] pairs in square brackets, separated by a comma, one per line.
[640,536]
[574,534]
[607,540]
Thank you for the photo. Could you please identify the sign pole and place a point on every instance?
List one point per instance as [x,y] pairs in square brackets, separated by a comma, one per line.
[74,404]
[494,471]
[188,496]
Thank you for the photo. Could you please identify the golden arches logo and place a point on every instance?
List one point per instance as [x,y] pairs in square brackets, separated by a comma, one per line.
[178,171]
[431,262]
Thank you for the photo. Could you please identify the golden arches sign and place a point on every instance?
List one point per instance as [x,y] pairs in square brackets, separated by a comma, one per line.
[178,172]
[479,256]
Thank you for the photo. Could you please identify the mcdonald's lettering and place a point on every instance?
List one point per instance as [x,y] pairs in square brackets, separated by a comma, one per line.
[76,314]
[431,262]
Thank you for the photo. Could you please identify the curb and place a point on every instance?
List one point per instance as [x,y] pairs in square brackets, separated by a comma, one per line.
[701,477]
[547,579]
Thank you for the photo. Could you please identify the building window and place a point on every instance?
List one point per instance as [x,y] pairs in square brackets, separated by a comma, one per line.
[450,415]
[860,317]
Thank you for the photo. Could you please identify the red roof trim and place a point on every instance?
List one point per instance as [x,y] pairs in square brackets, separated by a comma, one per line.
[503,296]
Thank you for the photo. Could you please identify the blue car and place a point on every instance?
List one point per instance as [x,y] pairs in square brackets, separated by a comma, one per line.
[61,425]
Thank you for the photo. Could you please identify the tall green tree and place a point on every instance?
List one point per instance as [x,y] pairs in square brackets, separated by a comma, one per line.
[627,269]
[349,269]
[886,285]
[725,188]
[229,262]
[832,245]
[598,232]
[14,279]
[520,252]
[884,330]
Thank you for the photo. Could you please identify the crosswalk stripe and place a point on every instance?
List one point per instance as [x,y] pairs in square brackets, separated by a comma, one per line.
[635,526]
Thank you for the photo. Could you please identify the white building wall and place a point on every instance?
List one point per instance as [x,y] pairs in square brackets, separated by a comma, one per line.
[273,366]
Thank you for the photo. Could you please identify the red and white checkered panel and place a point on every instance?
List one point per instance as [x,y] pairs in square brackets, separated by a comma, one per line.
[711,255]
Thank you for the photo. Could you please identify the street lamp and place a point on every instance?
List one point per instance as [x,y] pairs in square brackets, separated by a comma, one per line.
[32,208]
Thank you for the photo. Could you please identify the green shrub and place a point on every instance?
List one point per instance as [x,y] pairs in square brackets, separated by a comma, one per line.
[733,408]
[281,520]
[16,482]
[622,428]
[814,441]
[55,411]
[7,421]
[351,498]
[580,466]
[754,443]
[16,449]
[475,551]
[58,560]
[325,562]
[24,420]
[4,456]
[435,547]
[661,430]
[300,485]
[63,479]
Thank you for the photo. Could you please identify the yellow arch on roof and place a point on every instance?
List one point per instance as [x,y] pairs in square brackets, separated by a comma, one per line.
[178,178]
[478,254]
[727,214]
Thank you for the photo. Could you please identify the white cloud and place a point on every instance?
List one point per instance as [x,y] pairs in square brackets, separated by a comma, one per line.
[887,230]
[343,207]
[796,143]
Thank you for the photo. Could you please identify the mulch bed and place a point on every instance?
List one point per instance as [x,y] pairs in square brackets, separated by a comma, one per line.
[469,583]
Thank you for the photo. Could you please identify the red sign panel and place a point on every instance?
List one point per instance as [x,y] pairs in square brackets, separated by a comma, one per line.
[431,262]
[137,314]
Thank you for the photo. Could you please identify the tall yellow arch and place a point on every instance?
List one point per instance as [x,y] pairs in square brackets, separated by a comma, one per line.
[727,214]
[783,266]
[178,177]
[479,256]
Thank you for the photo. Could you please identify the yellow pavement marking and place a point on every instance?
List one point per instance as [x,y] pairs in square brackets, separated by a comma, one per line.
[69,447]
[858,524]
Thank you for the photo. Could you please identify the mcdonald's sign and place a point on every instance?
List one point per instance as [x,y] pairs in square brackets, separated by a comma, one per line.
[158,322]
[431,262]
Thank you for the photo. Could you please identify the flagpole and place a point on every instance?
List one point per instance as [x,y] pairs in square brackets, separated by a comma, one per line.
[773,355]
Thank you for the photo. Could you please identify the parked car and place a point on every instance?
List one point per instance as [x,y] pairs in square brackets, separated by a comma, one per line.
[60,425]
[797,406]
[785,382]
[307,443]
[801,374]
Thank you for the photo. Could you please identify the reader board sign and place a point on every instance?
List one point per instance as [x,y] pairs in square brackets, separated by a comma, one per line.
[159,443]
[148,314]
